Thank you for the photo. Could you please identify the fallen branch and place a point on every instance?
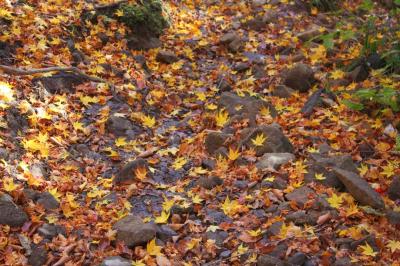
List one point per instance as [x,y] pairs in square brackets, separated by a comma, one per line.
[25,72]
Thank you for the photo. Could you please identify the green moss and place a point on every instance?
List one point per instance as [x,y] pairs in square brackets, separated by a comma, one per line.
[147,17]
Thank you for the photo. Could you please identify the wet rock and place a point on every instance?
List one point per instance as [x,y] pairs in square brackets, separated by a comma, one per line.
[282,91]
[10,213]
[313,101]
[47,201]
[393,217]
[61,82]
[127,173]
[133,232]
[267,260]
[244,107]
[115,261]
[118,125]
[209,182]
[274,160]
[297,259]
[300,77]
[49,231]
[218,236]
[167,57]
[309,34]
[360,189]
[215,140]
[216,217]
[394,189]
[38,256]
[276,141]
[278,183]
[300,195]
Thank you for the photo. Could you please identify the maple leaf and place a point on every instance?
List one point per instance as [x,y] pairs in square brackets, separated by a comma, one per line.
[152,248]
[138,263]
[255,233]
[212,228]
[179,163]
[335,201]
[6,92]
[9,185]
[120,142]
[367,250]
[55,193]
[388,170]
[148,121]
[320,177]
[119,13]
[363,169]
[259,140]
[196,199]
[337,74]
[163,218]
[393,245]
[229,207]
[221,118]
[141,173]
[233,154]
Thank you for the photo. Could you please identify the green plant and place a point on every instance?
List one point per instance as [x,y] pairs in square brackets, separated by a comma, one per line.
[375,97]
[324,5]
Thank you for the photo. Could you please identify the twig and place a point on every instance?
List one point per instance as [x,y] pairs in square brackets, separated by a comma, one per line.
[65,255]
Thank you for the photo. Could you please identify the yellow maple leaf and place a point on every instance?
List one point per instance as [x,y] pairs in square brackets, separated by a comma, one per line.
[55,193]
[168,204]
[335,201]
[163,218]
[120,142]
[138,263]
[6,92]
[9,185]
[363,169]
[388,170]
[141,173]
[221,118]
[255,233]
[337,74]
[393,245]
[152,248]
[148,121]
[179,163]
[87,100]
[119,13]
[233,154]
[367,250]
[320,177]
[192,243]
[196,199]
[259,140]
[71,200]
[229,207]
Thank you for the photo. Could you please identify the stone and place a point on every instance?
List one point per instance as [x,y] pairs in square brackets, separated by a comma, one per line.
[209,182]
[300,195]
[375,61]
[47,201]
[127,173]
[246,107]
[62,82]
[300,77]
[229,37]
[360,189]
[297,259]
[301,218]
[10,213]
[3,154]
[49,231]
[360,73]
[258,3]
[394,189]
[115,261]
[267,260]
[166,57]
[236,45]
[118,125]
[165,233]
[16,121]
[218,236]
[273,161]
[393,217]
[369,239]
[282,91]
[270,16]
[276,141]
[133,232]
[274,229]
[215,140]
[38,257]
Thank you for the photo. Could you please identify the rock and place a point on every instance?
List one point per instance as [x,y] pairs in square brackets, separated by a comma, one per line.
[38,256]
[313,101]
[297,259]
[375,61]
[370,239]
[49,231]
[282,91]
[236,45]
[244,107]
[276,141]
[394,189]
[360,189]
[256,24]
[166,57]
[133,232]
[301,217]
[309,34]
[118,125]
[274,229]
[359,74]
[47,201]
[229,37]
[165,233]
[300,195]
[10,213]
[116,261]
[215,140]
[258,3]
[209,182]
[218,236]
[3,154]
[62,82]
[16,121]
[274,160]
[6,53]
[241,67]
[270,16]
[278,183]
[300,77]
[143,42]
[267,260]
[393,217]
[127,173]
[345,261]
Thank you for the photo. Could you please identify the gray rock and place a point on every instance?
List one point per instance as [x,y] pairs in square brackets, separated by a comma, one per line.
[209,182]
[300,195]
[394,189]
[360,189]
[258,3]
[274,229]
[166,57]
[359,74]
[50,231]
[297,259]
[116,261]
[47,201]
[370,239]
[229,37]
[393,217]
[270,16]
[165,233]
[301,217]
[267,260]
[282,91]
[276,141]
[61,82]
[10,213]
[127,172]
[215,140]
[300,77]
[4,154]
[133,232]
[236,45]
[38,256]
[274,160]
[218,236]
[118,125]
[244,107]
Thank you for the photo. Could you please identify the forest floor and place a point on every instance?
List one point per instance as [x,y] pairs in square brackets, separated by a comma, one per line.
[234,143]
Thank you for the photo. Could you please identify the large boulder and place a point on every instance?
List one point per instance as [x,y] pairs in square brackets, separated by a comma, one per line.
[133,232]
[10,213]
[360,189]
[300,77]
[128,172]
[275,142]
